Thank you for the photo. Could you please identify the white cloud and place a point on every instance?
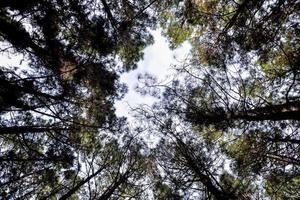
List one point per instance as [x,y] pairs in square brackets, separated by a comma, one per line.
[158,59]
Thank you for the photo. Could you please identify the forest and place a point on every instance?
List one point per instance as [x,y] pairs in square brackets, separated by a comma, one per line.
[226,123]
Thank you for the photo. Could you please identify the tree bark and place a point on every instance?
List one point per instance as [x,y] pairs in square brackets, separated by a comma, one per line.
[80,184]
[207,182]
[109,14]
[284,159]
[204,178]
[107,194]
[287,111]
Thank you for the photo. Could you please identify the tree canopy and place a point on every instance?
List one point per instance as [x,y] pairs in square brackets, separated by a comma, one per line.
[238,90]
[226,125]
[57,108]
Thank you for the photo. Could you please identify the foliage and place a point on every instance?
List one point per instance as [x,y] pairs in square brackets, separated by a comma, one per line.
[226,125]
[57,107]
[238,90]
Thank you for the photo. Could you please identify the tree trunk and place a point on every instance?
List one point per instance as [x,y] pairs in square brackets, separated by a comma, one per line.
[207,182]
[80,184]
[287,111]
[107,194]
[284,159]
[205,179]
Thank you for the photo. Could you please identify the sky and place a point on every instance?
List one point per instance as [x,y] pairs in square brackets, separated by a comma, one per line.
[158,60]
[7,59]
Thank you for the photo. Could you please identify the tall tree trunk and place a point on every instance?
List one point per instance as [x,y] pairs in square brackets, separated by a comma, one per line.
[204,178]
[107,194]
[207,182]
[109,14]
[284,159]
[287,111]
[80,184]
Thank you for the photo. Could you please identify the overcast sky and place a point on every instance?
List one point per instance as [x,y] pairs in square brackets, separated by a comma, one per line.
[158,59]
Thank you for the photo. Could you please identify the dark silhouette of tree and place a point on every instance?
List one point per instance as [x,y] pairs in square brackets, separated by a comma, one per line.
[59,100]
[239,87]
[227,125]
[184,166]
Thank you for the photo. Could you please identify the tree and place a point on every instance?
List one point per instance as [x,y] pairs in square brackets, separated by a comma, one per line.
[239,88]
[226,125]
[61,96]
[103,167]
[184,166]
